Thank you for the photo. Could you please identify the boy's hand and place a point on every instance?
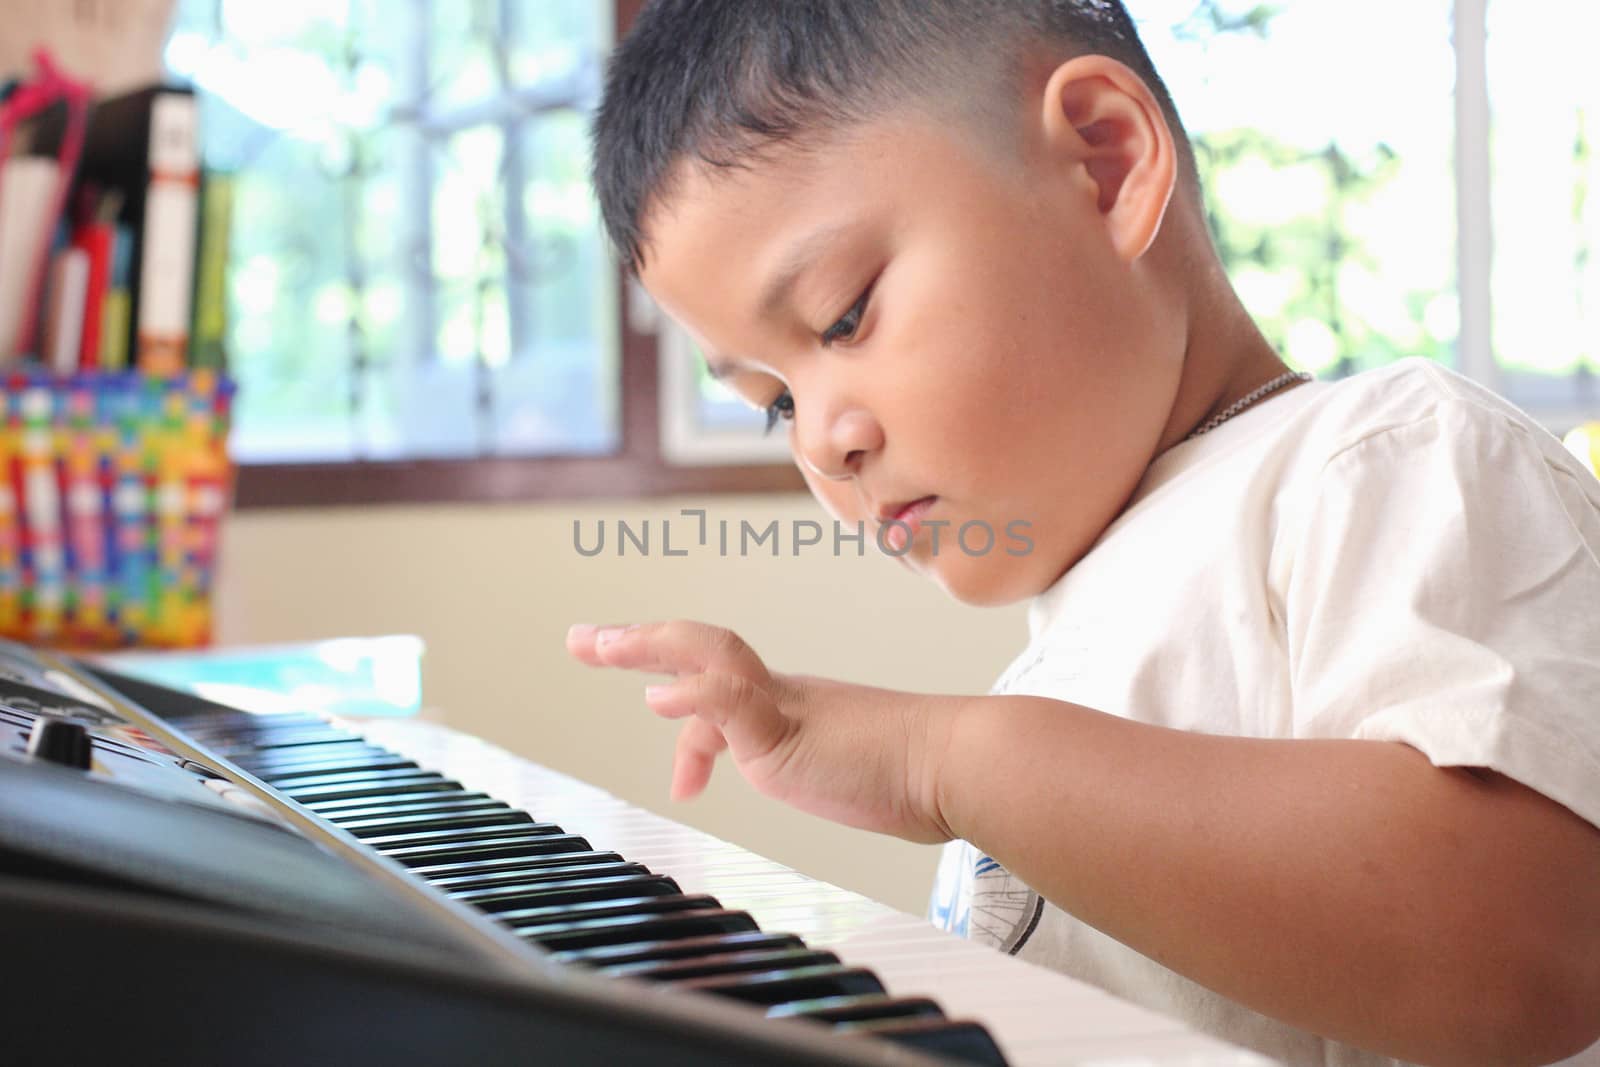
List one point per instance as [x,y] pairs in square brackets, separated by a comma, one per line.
[864,757]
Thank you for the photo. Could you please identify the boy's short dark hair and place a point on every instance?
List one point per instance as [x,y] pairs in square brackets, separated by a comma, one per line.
[723,79]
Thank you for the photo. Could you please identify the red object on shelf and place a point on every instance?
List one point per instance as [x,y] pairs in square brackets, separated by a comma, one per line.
[95,238]
[46,89]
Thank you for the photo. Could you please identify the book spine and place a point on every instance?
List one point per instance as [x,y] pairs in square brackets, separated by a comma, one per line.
[69,292]
[166,268]
[117,315]
[27,190]
[208,337]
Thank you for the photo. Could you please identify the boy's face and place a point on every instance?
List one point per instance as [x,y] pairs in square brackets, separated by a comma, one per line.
[954,328]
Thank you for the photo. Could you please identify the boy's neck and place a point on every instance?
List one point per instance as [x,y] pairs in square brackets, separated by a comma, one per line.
[1225,360]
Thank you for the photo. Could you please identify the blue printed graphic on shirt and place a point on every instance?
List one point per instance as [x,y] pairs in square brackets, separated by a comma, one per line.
[975,897]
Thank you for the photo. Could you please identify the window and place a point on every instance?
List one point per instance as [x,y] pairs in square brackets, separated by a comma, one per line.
[1544,178]
[417,269]
[1328,190]
[422,303]
[1412,179]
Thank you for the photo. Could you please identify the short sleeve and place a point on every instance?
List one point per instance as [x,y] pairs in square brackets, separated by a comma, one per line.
[1445,592]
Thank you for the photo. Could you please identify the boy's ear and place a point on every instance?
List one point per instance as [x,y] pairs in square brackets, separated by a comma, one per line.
[1100,115]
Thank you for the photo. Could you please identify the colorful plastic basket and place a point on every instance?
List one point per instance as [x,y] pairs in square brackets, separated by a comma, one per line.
[111,503]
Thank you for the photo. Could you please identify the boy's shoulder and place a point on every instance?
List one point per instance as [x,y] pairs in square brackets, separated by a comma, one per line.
[1355,433]
[1415,402]
[1409,390]
[1418,438]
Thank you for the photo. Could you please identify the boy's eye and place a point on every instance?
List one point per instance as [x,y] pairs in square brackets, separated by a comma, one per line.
[847,326]
[781,408]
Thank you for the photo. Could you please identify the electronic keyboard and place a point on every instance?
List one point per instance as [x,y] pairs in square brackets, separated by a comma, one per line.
[214,885]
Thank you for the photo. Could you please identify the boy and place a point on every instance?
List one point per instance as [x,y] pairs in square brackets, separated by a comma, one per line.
[1304,747]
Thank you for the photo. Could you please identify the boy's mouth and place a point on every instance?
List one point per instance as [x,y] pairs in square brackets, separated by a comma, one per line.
[907,519]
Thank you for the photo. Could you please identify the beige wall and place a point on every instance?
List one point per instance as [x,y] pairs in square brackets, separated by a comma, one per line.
[114,45]
[492,590]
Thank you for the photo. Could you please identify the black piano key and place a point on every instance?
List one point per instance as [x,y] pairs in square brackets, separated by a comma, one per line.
[389,826]
[621,929]
[964,1042]
[450,791]
[282,739]
[501,899]
[805,983]
[560,872]
[293,785]
[330,763]
[462,837]
[384,824]
[538,839]
[855,1009]
[681,948]
[447,873]
[523,918]
[355,749]
[415,782]
[337,774]
[243,737]
[286,731]
[345,741]
[460,803]
[227,721]
[722,963]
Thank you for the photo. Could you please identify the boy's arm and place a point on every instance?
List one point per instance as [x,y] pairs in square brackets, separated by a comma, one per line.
[1349,888]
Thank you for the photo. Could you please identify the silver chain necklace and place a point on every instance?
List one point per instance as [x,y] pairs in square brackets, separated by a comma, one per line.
[1245,401]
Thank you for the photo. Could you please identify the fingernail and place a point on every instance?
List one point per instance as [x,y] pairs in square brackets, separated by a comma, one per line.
[656,692]
[580,631]
[608,635]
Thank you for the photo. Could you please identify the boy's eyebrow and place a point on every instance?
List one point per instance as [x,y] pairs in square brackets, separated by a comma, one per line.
[794,263]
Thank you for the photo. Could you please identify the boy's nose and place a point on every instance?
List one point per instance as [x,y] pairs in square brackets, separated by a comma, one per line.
[836,448]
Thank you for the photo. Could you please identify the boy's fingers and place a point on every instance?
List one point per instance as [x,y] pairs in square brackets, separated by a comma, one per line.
[699,744]
[581,642]
[678,647]
[740,711]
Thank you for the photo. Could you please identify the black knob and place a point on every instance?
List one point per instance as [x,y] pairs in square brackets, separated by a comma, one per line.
[60,741]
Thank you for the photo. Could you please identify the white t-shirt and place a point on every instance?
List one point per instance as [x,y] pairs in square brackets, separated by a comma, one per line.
[1400,556]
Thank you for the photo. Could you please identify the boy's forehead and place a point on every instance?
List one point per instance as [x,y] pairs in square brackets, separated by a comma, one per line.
[751,187]
[752,227]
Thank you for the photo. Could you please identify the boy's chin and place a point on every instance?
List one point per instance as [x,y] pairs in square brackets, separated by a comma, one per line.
[982,582]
